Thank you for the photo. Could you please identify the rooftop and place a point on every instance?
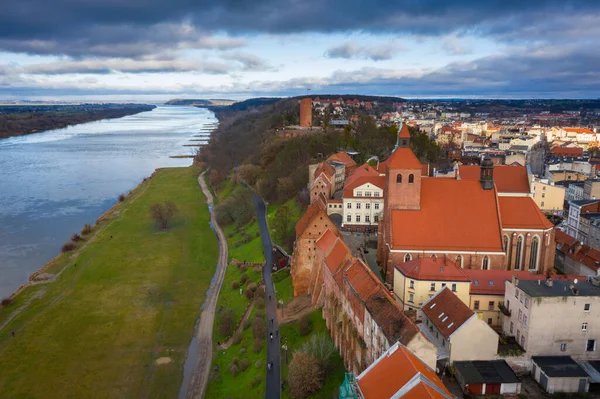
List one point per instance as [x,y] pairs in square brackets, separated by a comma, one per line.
[508,178]
[522,212]
[486,372]
[432,269]
[583,202]
[559,288]
[447,312]
[403,158]
[559,366]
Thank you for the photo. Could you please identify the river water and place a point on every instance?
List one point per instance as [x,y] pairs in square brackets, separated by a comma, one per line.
[53,182]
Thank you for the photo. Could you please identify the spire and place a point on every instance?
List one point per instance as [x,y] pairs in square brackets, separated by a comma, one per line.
[403,138]
[398,136]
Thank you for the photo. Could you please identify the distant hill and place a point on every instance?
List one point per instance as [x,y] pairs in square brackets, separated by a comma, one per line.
[200,102]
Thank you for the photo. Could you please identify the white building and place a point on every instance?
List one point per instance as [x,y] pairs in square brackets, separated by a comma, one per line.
[362,203]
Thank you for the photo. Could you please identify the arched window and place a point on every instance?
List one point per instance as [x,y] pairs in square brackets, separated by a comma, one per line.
[533,254]
[407,258]
[411,178]
[459,261]
[519,253]
[485,264]
[398,178]
[507,250]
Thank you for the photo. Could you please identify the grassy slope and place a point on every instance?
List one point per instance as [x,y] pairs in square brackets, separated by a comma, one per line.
[130,297]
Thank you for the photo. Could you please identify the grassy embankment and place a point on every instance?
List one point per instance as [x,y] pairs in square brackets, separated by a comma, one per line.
[128,298]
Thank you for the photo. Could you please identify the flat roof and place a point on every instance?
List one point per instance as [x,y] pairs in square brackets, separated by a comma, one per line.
[486,372]
[559,366]
[559,288]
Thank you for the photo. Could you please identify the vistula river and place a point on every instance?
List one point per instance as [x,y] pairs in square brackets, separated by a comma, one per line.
[53,182]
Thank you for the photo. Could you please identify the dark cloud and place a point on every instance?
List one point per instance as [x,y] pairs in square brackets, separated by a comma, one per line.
[351,50]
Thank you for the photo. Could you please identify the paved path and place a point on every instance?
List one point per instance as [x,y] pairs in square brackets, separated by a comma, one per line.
[197,364]
[273,388]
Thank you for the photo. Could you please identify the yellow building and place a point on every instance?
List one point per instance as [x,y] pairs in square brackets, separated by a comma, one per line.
[418,280]
[547,196]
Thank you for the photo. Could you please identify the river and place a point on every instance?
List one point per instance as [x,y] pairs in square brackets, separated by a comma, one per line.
[53,182]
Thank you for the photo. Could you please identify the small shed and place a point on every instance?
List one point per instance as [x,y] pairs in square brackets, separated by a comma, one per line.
[559,374]
[486,377]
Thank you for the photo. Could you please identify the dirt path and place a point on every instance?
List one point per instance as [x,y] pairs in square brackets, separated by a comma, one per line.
[240,327]
[199,357]
[298,307]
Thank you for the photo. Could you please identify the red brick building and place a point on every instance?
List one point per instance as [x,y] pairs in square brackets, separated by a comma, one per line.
[306,112]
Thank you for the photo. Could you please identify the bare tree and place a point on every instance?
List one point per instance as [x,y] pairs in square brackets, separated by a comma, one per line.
[321,347]
[163,213]
[305,376]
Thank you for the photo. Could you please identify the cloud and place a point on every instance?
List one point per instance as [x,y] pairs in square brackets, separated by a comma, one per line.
[249,62]
[351,50]
[452,45]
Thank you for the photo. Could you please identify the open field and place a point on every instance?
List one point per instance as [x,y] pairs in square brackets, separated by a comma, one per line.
[128,298]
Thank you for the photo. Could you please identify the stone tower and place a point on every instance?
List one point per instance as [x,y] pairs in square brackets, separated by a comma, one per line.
[306,112]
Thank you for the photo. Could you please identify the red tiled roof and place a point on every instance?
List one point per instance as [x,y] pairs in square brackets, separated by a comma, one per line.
[404,132]
[508,178]
[403,158]
[567,151]
[522,212]
[577,130]
[563,238]
[392,371]
[587,256]
[390,318]
[324,167]
[339,253]
[363,170]
[364,283]
[334,201]
[447,312]
[326,241]
[454,215]
[432,269]
[377,181]
[343,158]
[313,210]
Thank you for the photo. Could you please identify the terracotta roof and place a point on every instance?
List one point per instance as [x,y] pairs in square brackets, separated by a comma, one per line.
[567,151]
[313,210]
[403,158]
[392,372]
[587,256]
[343,158]
[377,181]
[563,238]
[324,167]
[432,269]
[322,177]
[447,312]
[363,170]
[492,282]
[404,132]
[454,215]
[326,241]
[337,256]
[362,280]
[334,201]
[508,178]
[522,212]
[396,326]
[577,130]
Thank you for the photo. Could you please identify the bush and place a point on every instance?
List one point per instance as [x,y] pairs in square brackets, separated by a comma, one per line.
[258,345]
[87,229]
[121,197]
[243,268]
[305,376]
[256,381]
[259,328]
[244,364]
[304,325]
[232,369]
[237,338]
[259,314]
[75,237]
[260,303]
[67,246]
[258,364]
[235,361]
[249,293]
[242,351]
[247,324]
[235,285]
[226,323]
[163,213]
[244,278]
[6,301]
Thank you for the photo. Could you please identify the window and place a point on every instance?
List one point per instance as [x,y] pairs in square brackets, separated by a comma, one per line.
[349,206]
[543,195]
[359,193]
[432,288]
[412,284]
[376,206]
[411,298]
[519,253]
[358,205]
[521,297]
[542,204]
[591,345]
[358,218]
[411,178]
[459,261]
[516,293]
[524,321]
[407,258]
[512,326]
[523,341]
[453,287]
[584,327]
[376,194]
[526,302]
[485,264]
[563,347]
[476,305]
[376,219]
[507,250]
[491,305]
[367,193]
[368,205]
[368,219]
[398,178]
[535,243]
[349,218]
[586,307]
[520,314]
[490,321]
[443,285]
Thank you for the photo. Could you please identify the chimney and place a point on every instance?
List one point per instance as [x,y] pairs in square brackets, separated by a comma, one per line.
[515,280]
[486,175]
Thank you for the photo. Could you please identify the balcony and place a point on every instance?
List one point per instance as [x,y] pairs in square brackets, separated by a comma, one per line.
[505,311]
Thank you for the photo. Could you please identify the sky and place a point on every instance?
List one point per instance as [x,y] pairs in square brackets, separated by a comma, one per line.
[154,50]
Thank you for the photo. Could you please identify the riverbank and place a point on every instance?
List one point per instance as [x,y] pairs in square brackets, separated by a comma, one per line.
[118,320]
[22,120]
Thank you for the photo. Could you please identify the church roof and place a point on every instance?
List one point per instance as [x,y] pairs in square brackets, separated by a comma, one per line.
[454,215]
[432,269]
[404,132]
[403,158]
[522,213]
[508,178]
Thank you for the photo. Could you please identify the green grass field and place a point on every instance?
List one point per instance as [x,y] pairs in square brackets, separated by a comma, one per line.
[131,296]
[283,285]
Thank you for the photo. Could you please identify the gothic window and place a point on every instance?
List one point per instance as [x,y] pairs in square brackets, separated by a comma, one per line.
[411,178]
[507,250]
[398,178]
[519,253]
[485,265]
[533,254]
[459,261]
[407,258]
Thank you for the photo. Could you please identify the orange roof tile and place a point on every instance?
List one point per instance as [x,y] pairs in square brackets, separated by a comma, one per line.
[324,167]
[313,210]
[567,151]
[377,181]
[364,283]
[326,241]
[432,269]
[404,132]
[392,371]
[446,312]
[577,130]
[522,212]
[403,158]
[563,238]
[363,170]
[454,215]
[339,253]
[508,178]
[343,158]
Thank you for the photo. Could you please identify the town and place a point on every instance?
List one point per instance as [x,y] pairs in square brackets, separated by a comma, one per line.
[481,277]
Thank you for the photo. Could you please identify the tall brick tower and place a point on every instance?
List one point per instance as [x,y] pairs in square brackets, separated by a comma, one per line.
[306,112]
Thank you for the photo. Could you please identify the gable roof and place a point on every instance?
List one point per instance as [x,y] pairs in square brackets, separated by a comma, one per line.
[404,132]
[399,373]
[577,130]
[326,168]
[377,181]
[313,210]
[363,170]
[344,158]
[403,158]
[508,178]
[522,212]
[447,312]
[432,269]
[326,241]
[454,215]
[337,256]
[563,238]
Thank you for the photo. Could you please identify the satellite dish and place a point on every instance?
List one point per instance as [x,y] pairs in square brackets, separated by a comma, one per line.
[575,281]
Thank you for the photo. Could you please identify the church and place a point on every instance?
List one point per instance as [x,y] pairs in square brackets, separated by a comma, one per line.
[468,220]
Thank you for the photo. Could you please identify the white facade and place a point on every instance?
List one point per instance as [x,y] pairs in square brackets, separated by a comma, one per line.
[365,207]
